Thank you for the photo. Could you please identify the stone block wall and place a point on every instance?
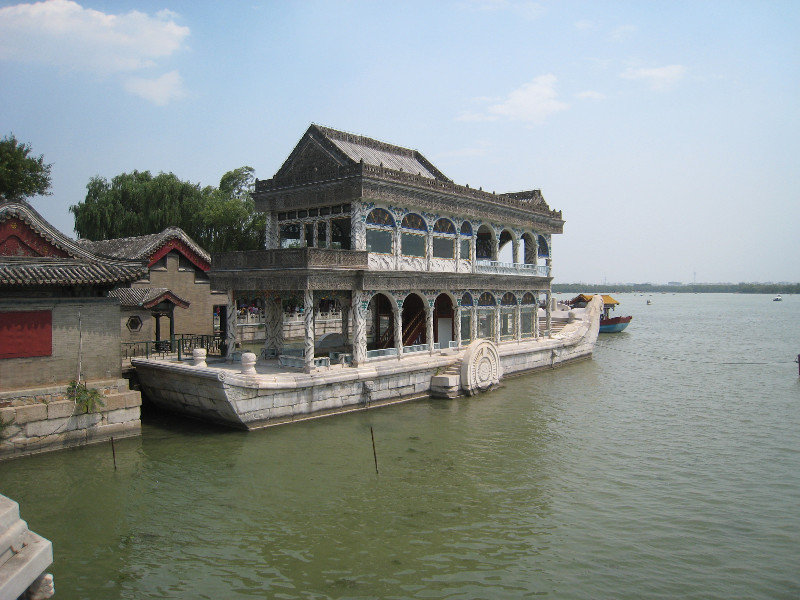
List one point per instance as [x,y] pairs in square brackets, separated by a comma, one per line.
[85,326]
[44,419]
[192,285]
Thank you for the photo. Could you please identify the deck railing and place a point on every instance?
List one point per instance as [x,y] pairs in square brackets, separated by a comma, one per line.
[382,352]
[181,344]
[501,268]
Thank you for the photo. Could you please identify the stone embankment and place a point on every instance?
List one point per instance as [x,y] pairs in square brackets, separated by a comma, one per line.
[43,419]
[24,557]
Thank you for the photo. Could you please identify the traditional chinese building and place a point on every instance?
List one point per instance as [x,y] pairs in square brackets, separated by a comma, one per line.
[378,229]
[175,287]
[57,324]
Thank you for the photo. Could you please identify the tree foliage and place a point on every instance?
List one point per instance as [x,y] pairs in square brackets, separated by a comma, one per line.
[218,218]
[21,175]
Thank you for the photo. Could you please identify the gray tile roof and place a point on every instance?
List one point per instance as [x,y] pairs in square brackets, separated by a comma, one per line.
[33,271]
[141,296]
[373,152]
[141,247]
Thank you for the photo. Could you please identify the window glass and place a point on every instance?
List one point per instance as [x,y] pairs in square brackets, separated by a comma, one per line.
[413,245]
[465,249]
[443,248]
[322,232]
[309,234]
[465,326]
[340,234]
[507,323]
[527,320]
[466,228]
[290,235]
[379,240]
[466,299]
[486,299]
[486,324]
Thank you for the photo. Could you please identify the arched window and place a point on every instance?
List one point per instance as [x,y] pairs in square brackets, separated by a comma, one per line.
[466,299]
[444,226]
[379,216]
[380,228]
[484,243]
[290,235]
[466,242]
[544,250]
[508,299]
[529,249]
[505,247]
[412,240]
[414,221]
[528,315]
[486,299]
[528,298]
[444,232]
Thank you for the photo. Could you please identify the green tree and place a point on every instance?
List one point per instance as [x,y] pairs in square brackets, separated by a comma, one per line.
[21,175]
[137,203]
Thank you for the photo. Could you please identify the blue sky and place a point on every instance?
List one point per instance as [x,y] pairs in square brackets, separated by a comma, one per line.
[666,132]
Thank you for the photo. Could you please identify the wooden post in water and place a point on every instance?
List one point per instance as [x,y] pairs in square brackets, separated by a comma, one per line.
[797,360]
[114,453]
[374,455]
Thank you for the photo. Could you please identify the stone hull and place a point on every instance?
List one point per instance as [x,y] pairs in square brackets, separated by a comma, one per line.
[223,395]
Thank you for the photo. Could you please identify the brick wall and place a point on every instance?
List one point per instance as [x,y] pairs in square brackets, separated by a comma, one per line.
[198,317]
[99,349]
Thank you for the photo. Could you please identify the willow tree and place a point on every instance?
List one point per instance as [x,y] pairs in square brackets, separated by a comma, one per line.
[138,203]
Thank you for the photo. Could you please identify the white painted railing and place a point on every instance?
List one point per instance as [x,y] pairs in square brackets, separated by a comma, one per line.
[495,266]
[295,362]
[382,352]
[415,348]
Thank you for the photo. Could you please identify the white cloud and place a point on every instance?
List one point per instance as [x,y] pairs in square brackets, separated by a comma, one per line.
[159,91]
[585,24]
[64,34]
[658,78]
[591,95]
[532,102]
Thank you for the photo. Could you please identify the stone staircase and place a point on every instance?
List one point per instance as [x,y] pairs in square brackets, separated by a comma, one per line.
[24,557]
[447,384]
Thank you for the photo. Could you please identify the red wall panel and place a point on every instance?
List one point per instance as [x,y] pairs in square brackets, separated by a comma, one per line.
[26,333]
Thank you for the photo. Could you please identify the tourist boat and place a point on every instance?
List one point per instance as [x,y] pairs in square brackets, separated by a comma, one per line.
[608,324]
[777,298]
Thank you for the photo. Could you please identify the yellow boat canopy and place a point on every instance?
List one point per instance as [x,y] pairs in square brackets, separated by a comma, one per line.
[607,300]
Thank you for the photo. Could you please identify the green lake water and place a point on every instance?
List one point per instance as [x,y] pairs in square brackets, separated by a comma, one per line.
[666,467]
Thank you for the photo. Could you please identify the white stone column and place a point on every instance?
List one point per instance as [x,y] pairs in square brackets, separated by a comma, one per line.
[497,324]
[536,316]
[308,326]
[549,316]
[271,238]
[428,248]
[398,329]
[345,323]
[457,324]
[273,324]
[518,320]
[231,329]
[429,326]
[473,244]
[359,314]
[473,322]
[515,251]
[328,239]
[358,226]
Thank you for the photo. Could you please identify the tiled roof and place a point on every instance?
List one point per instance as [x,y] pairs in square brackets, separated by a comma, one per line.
[146,296]
[80,267]
[376,153]
[27,271]
[141,247]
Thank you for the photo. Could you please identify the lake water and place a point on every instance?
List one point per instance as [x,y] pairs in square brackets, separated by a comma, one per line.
[666,467]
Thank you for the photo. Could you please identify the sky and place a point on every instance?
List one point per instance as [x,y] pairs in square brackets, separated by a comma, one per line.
[668,132]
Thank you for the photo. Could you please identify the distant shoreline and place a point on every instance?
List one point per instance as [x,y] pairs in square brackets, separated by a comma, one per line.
[689,288]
